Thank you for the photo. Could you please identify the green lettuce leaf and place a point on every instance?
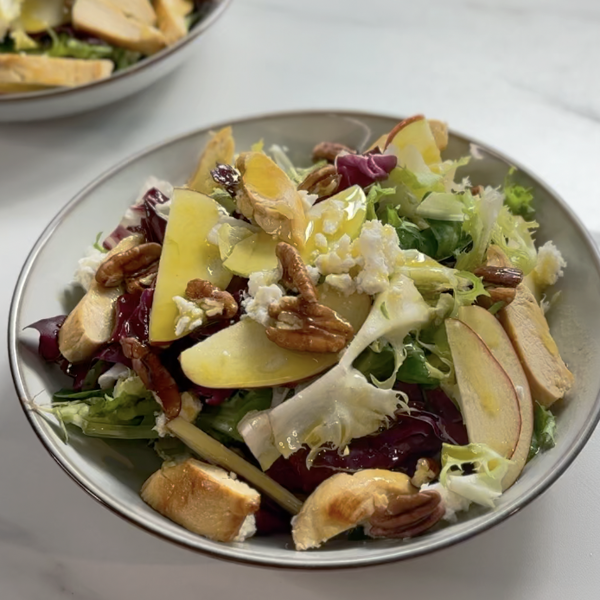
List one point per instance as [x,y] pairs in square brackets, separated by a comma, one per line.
[127,412]
[513,235]
[221,421]
[481,212]
[375,195]
[63,45]
[517,198]
[409,235]
[544,431]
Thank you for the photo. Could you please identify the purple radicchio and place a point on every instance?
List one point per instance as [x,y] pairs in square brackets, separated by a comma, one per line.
[364,169]
[48,329]
[143,217]
[411,436]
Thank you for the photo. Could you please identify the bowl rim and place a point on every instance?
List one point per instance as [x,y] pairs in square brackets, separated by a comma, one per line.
[146,63]
[225,551]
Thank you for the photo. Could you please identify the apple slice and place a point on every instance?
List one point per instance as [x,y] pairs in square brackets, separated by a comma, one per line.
[489,329]
[254,253]
[489,402]
[219,149]
[415,132]
[186,255]
[242,356]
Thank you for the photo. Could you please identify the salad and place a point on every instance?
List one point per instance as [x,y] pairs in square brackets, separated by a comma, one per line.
[358,346]
[66,43]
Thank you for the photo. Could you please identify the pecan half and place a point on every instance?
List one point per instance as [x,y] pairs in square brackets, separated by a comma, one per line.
[500,276]
[329,150]
[308,326]
[407,515]
[302,323]
[142,280]
[222,303]
[322,182]
[113,271]
[153,374]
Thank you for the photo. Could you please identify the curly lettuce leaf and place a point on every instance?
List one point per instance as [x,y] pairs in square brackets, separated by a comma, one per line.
[376,194]
[484,485]
[481,212]
[513,235]
[442,206]
[518,198]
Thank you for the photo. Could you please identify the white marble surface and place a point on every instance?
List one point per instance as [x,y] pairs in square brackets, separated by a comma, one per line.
[521,75]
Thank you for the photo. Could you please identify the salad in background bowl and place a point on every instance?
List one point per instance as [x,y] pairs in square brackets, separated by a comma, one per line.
[354,347]
[50,47]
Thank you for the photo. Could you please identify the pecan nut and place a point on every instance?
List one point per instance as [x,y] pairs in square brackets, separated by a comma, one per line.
[142,280]
[407,515]
[216,302]
[119,267]
[323,182]
[329,150]
[154,374]
[301,323]
[308,326]
[500,276]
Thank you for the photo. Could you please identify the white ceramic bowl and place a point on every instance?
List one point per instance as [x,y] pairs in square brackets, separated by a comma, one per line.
[112,472]
[60,102]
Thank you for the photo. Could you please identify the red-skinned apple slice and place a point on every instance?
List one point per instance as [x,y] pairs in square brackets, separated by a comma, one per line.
[489,329]
[489,402]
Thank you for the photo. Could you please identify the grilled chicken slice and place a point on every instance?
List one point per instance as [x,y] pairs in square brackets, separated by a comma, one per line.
[90,324]
[22,72]
[172,19]
[203,499]
[120,23]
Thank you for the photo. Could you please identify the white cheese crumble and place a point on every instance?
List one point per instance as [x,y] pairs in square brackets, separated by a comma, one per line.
[549,266]
[190,315]
[321,242]
[193,313]
[87,267]
[313,273]
[262,292]
[339,259]
[375,252]
[333,217]
[343,283]
[380,252]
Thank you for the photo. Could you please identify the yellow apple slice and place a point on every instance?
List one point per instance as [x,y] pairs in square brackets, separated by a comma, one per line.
[254,253]
[242,356]
[342,214]
[415,132]
[186,255]
[41,15]
[220,149]
[489,329]
[489,402]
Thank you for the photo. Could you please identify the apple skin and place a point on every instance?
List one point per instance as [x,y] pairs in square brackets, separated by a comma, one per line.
[488,399]
[399,127]
[489,329]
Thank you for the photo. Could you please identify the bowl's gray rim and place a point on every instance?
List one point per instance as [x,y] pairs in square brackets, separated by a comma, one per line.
[146,63]
[236,554]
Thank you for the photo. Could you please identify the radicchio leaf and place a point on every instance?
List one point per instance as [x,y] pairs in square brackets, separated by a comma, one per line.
[48,330]
[364,169]
[133,316]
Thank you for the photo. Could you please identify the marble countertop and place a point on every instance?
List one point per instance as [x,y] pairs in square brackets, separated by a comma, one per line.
[522,75]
